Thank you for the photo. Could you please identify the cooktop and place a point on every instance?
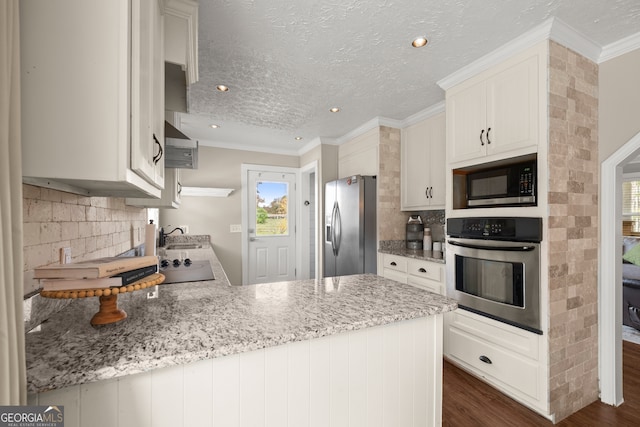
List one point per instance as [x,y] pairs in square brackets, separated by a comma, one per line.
[187,270]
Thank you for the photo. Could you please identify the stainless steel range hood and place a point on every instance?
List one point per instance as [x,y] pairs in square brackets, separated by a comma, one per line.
[180,151]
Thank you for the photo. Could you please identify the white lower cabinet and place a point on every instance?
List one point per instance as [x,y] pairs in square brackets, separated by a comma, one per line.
[420,273]
[506,357]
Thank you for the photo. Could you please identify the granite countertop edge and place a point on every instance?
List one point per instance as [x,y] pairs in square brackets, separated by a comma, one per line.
[185,325]
[433,256]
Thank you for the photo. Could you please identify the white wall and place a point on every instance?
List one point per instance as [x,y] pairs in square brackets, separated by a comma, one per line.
[219,167]
[619,104]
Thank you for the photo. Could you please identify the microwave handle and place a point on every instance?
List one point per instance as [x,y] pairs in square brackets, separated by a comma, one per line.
[493,248]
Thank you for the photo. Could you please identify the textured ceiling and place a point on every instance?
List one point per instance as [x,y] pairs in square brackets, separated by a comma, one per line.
[287,62]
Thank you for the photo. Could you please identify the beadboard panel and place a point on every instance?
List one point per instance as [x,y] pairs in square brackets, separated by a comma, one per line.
[383,376]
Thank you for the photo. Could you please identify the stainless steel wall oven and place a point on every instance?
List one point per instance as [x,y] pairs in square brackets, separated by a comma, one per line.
[496,266]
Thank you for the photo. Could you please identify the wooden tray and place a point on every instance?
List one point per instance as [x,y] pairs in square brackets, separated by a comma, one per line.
[109,311]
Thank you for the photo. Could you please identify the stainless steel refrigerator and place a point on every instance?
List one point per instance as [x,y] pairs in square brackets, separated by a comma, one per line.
[350,239]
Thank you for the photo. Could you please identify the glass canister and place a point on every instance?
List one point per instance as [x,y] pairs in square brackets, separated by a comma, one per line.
[415,232]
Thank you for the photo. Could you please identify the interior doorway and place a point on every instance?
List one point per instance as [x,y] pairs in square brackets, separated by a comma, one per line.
[610,272]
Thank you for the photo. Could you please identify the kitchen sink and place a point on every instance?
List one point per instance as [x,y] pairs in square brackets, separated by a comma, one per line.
[180,246]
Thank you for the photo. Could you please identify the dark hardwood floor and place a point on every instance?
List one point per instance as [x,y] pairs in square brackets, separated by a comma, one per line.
[468,401]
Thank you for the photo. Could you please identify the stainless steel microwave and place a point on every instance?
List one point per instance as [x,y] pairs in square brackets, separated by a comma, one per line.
[507,185]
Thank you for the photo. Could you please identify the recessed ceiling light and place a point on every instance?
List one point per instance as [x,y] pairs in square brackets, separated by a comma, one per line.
[298,138]
[222,88]
[419,41]
[214,126]
[334,109]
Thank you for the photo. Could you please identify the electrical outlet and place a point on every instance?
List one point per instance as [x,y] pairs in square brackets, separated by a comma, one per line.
[185,228]
[65,255]
[152,293]
[235,228]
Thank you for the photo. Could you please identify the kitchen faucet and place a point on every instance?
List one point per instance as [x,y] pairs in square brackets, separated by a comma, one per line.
[162,236]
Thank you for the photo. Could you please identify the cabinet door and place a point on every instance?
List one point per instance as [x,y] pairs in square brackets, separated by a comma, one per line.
[437,161]
[170,197]
[147,142]
[466,121]
[415,153]
[512,107]
[423,159]
[158,89]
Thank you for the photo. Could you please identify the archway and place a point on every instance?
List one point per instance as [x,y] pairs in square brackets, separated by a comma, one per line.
[610,273]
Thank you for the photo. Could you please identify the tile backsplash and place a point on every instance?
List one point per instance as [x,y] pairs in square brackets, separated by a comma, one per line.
[93,227]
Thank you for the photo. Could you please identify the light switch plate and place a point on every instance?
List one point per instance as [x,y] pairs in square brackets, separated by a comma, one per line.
[235,228]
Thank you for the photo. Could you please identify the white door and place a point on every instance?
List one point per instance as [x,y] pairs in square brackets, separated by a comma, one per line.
[271,220]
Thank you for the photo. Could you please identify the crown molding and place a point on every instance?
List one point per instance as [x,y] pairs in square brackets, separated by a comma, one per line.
[248,147]
[311,145]
[424,114]
[366,127]
[552,29]
[569,37]
[620,47]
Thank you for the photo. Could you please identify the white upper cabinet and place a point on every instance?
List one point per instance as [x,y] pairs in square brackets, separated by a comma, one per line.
[181,36]
[170,197]
[93,96]
[423,165]
[497,113]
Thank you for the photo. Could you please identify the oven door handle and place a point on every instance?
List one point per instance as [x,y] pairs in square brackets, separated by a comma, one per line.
[493,248]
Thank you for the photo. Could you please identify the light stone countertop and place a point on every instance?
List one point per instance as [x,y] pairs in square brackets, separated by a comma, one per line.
[203,320]
[433,256]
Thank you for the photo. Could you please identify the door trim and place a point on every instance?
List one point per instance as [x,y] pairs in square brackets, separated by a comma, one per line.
[245,168]
[305,172]
[610,272]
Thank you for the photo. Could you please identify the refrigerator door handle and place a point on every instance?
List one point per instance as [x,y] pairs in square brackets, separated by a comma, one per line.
[333,229]
[337,231]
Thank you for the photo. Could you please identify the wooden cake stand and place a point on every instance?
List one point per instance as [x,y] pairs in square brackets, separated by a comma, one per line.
[109,311]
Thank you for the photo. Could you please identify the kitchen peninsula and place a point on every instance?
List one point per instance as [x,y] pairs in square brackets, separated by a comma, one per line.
[357,350]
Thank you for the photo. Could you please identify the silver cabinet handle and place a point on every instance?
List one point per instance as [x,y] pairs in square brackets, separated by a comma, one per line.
[253,239]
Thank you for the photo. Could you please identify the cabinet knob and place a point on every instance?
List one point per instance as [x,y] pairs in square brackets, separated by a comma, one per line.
[488,140]
[485,359]
[481,141]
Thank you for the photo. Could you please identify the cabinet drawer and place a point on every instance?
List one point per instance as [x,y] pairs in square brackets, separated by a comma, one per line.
[496,333]
[394,262]
[425,269]
[426,284]
[507,368]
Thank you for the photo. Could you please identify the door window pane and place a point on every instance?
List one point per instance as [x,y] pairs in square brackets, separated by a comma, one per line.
[272,214]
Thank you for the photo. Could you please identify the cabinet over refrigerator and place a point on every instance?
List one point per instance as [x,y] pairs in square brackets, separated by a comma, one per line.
[350,245]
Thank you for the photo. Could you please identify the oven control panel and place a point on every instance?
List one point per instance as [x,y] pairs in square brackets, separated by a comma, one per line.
[496,228]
